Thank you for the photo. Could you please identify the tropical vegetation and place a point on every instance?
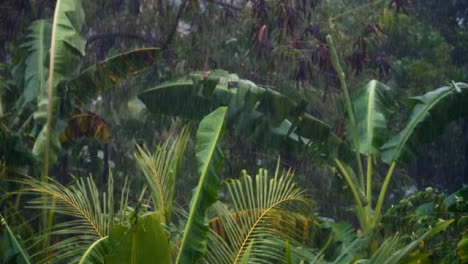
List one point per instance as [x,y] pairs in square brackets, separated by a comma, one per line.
[122,140]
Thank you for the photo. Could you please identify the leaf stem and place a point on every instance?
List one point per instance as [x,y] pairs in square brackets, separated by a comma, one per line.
[382,193]
[360,208]
[349,108]
[369,181]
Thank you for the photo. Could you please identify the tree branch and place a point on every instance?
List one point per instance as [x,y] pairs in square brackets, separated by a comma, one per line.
[173,30]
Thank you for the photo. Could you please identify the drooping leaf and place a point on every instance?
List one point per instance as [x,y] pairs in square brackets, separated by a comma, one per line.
[372,108]
[87,125]
[258,113]
[209,160]
[12,250]
[144,242]
[431,114]
[100,77]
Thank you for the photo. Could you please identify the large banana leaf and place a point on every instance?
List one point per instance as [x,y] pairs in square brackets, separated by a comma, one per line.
[372,107]
[257,113]
[102,76]
[35,73]
[12,250]
[209,160]
[431,114]
[143,242]
[66,46]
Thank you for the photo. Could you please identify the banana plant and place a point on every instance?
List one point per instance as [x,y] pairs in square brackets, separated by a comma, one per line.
[262,115]
[274,120]
[369,113]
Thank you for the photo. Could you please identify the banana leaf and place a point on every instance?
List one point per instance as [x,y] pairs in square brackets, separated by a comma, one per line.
[209,160]
[373,106]
[35,73]
[143,242]
[262,115]
[431,114]
[66,47]
[100,77]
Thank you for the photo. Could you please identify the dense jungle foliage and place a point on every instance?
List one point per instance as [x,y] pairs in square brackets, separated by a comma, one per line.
[234,131]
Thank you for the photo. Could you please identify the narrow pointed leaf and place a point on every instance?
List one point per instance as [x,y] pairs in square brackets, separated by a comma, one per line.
[209,160]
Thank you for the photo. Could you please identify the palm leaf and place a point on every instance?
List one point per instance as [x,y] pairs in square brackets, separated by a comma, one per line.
[265,211]
[209,160]
[160,170]
[92,213]
[372,108]
[431,114]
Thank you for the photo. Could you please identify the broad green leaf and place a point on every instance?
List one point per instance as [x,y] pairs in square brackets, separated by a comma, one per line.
[66,47]
[143,242]
[431,114]
[37,47]
[12,250]
[372,107]
[102,76]
[261,114]
[209,160]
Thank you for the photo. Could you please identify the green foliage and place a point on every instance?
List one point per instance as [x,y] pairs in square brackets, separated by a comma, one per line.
[142,242]
[266,212]
[160,170]
[255,111]
[431,114]
[91,213]
[35,73]
[66,47]
[373,106]
[12,251]
[209,160]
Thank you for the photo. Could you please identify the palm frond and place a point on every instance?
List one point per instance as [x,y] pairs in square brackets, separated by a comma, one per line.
[266,215]
[88,215]
[160,169]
